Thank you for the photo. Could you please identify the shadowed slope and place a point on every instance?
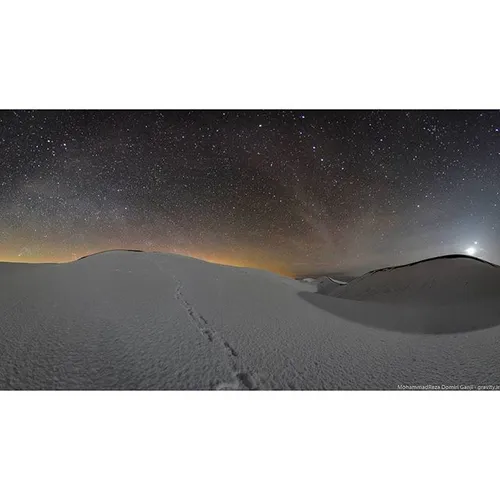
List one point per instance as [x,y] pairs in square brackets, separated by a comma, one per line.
[452,293]
[443,280]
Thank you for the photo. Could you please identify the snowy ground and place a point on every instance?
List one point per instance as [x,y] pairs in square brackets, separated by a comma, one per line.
[123,320]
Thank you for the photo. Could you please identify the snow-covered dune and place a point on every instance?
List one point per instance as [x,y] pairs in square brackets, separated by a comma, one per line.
[448,294]
[127,320]
[442,280]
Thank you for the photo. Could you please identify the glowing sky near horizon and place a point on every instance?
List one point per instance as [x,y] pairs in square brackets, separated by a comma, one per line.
[295,192]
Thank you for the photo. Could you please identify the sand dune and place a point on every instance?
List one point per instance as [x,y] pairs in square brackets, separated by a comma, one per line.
[448,294]
[448,279]
[137,320]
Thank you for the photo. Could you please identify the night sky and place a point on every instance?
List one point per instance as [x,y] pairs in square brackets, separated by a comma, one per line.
[296,192]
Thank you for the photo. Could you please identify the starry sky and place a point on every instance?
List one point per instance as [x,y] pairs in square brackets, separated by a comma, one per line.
[296,192]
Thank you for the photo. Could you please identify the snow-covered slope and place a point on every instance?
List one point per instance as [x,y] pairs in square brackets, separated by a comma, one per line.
[441,280]
[448,294]
[123,320]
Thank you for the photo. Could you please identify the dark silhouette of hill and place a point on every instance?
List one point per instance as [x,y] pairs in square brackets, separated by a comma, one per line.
[109,251]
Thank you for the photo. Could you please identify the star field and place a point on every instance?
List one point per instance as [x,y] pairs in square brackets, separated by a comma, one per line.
[295,192]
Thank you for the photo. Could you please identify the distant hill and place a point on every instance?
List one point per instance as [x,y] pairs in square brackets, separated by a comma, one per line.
[441,280]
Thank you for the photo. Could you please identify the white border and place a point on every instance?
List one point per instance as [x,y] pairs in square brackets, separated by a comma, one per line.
[240,445]
[260,54]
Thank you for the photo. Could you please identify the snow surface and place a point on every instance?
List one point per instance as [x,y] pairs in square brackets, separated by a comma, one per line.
[123,320]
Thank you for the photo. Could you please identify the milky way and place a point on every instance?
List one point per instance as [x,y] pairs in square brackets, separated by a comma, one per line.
[296,192]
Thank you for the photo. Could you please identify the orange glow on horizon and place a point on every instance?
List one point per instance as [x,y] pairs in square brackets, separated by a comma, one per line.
[214,258]
[239,262]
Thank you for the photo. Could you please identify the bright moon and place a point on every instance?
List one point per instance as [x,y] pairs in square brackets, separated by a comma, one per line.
[471,250]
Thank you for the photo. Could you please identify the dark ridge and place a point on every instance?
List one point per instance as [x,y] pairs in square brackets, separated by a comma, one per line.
[107,251]
[440,257]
